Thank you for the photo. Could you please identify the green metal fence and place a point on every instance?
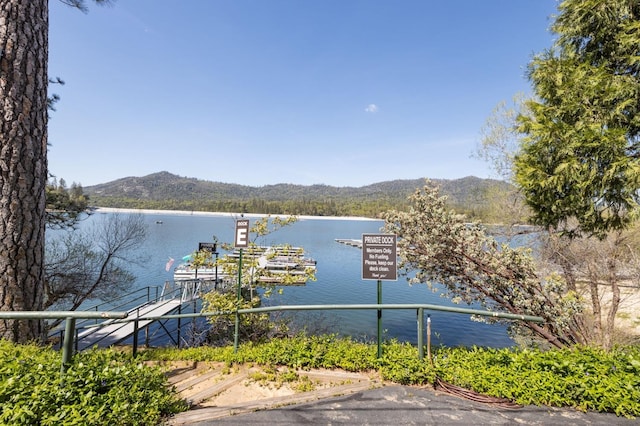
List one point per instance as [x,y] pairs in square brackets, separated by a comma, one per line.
[419,308]
[71,316]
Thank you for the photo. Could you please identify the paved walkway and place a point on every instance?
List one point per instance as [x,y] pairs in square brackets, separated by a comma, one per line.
[402,405]
[353,399]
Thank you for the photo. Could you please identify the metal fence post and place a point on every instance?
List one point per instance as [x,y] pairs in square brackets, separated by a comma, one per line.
[420,333]
[135,334]
[179,323]
[429,339]
[67,347]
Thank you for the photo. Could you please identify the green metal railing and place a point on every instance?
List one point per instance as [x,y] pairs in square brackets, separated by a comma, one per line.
[419,308]
[71,316]
[70,325]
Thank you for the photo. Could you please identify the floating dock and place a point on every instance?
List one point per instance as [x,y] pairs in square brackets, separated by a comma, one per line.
[350,242]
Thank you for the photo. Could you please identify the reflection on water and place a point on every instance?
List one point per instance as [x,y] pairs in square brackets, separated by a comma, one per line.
[338,278]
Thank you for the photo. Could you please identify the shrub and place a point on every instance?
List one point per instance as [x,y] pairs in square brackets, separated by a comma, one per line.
[100,387]
[582,377]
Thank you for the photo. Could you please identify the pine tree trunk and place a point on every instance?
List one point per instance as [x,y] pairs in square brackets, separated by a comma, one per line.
[23,161]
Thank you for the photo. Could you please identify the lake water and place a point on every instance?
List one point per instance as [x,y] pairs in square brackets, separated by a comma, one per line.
[338,277]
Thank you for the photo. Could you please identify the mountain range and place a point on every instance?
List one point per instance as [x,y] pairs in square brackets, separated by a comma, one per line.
[164,189]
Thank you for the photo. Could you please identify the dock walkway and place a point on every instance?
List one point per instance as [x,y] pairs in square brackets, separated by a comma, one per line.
[112,332]
[116,331]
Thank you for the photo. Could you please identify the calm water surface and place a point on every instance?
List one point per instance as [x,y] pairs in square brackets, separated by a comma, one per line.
[338,277]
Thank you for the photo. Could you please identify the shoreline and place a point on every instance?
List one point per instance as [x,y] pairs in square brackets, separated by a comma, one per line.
[224,214]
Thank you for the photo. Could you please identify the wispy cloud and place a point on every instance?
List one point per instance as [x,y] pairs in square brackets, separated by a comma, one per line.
[371,108]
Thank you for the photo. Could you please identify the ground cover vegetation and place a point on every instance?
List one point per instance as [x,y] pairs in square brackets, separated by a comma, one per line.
[110,387]
[100,387]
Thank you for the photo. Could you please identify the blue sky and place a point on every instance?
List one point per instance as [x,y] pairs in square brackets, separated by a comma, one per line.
[258,92]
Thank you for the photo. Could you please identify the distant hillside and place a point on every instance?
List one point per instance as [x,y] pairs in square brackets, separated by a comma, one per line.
[164,190]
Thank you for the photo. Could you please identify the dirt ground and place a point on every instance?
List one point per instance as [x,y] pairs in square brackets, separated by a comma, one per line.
[215,390]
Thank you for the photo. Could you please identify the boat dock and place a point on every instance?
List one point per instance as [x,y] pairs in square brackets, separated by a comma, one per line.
[350,242]
[269,265]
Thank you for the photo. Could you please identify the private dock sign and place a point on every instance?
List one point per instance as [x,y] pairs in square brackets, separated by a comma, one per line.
[379,259]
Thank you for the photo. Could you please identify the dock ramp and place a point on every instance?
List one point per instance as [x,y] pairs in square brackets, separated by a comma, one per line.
[171,299]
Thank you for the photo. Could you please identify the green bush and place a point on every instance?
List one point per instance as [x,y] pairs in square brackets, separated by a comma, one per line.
[108,387]
[100,387]
[581,377]
[400,364]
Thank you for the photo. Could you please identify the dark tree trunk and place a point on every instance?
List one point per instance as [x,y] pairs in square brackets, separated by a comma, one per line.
[23,161]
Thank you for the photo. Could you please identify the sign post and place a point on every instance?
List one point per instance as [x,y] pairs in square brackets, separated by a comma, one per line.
[241,241]
[379,262]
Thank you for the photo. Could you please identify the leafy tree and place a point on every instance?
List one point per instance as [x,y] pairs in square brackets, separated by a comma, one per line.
[201,259]
[500,141]
[577,161]
[65,206]
[23,160]
[600,270]
[92,263]
[252,327]
[579,165]
[255,326]
[473,267]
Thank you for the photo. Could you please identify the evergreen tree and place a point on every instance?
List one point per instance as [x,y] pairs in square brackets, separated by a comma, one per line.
[23,161]
[579,166]
[24,28]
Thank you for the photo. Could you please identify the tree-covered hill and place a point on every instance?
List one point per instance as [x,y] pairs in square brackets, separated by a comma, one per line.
[164,190]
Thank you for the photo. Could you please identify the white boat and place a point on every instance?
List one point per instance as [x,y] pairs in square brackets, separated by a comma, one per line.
[185,271]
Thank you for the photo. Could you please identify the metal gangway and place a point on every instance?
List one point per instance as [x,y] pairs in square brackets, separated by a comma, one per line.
[171,298]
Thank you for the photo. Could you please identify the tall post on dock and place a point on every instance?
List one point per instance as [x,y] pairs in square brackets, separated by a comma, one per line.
[215,251]
[241,241]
